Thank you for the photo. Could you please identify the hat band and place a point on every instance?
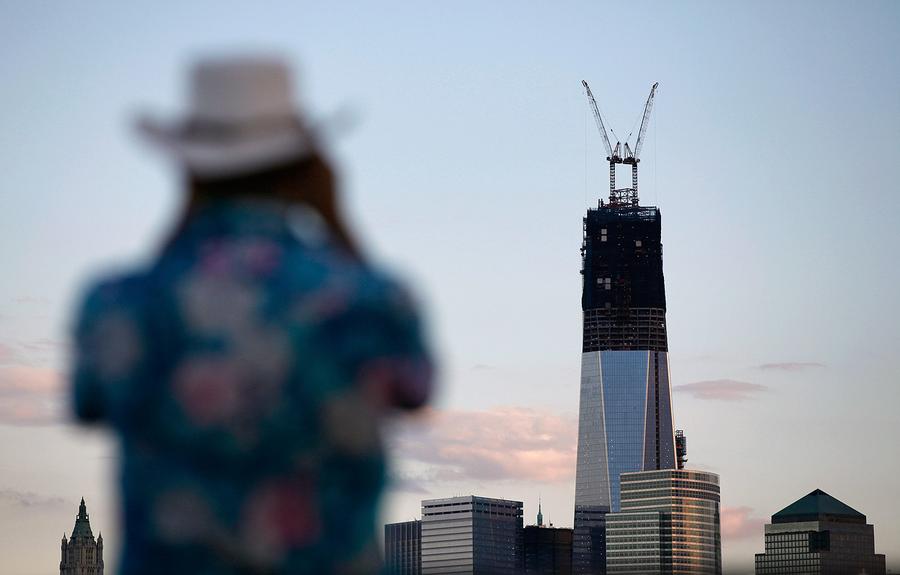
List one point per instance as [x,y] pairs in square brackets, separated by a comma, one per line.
[214,130]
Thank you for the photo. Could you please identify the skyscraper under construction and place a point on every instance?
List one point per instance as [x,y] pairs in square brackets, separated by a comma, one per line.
[625,410]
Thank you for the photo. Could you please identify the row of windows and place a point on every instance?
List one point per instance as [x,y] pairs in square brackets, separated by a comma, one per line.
[636,485]
[674,493]
[675,504]
[691,475]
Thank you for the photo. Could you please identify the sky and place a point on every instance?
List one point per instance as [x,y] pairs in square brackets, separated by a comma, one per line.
[467,157]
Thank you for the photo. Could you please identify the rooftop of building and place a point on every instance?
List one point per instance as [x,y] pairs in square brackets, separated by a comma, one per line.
[611,213]
[469,499]
[656,474]
[818,506]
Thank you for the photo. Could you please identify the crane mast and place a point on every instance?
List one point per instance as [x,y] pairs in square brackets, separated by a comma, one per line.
[620,197]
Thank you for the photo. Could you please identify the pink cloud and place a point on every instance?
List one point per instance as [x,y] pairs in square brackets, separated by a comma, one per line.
[740,523]
[791,365]
[7,354]
[501,443]
[43,345]
[29,395]
[722,389]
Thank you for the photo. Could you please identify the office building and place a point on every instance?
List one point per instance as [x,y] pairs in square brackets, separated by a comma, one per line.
[81,554]
[668,524]
[625,410]
[819,534]
[403,548]
[547,550]
[471,535]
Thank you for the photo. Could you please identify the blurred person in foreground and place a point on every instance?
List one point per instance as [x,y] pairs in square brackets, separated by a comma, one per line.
[246,369]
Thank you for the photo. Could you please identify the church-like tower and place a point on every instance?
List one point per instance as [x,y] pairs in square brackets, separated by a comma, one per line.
[81,554]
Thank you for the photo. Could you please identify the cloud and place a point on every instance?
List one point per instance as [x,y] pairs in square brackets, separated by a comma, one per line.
[29,499]
[483,367]
[791,366]
[31,300]
[43,345]
[7,354]
[722,389]
[31,352]
[740,523]
[30,395]
[498,444]
[412,485]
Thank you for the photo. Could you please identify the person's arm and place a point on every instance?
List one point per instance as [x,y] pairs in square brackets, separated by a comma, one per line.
[107,351]
[392,361]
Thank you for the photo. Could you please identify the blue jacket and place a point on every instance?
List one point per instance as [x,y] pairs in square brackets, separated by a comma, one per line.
[245,373]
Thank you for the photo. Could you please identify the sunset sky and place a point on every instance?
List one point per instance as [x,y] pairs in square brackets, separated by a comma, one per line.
[468,158]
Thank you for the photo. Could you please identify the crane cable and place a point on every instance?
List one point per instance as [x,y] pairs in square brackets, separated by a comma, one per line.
[585,158]
[655,161]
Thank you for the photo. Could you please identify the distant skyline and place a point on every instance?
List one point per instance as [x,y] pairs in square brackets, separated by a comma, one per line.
[772,154]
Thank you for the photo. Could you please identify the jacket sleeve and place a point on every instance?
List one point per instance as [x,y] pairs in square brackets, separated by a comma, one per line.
[385,344]
[107,354]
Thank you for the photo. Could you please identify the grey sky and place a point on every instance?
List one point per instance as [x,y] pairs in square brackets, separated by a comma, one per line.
[772,153]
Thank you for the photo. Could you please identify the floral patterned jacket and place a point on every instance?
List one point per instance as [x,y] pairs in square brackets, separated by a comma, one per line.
[245,373]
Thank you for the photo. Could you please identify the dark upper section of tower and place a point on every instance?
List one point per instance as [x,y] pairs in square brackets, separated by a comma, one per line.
[624,296]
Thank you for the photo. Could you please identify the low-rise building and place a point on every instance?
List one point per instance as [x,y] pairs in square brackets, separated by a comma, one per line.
[403,548]
[472,535]
[668,524]
[819,534]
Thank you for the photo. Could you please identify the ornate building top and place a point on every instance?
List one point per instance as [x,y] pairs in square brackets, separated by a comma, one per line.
[81,554]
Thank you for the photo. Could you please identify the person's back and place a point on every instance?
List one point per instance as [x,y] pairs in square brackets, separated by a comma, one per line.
[245,372]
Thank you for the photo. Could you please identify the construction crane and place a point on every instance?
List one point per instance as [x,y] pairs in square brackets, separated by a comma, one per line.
[622,196]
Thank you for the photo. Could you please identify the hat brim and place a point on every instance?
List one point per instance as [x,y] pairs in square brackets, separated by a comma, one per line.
[208,157]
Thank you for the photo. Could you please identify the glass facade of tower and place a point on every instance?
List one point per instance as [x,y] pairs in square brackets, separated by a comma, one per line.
[625,410]
[668,524]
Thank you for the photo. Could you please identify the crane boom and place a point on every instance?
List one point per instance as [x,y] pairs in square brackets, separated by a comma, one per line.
[599,120]
[644,122]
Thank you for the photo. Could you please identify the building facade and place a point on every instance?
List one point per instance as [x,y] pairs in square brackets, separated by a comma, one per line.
[821,535]
[547,550]
[625,410]
[668,524]
[403,548]
[81,554]
[471,535]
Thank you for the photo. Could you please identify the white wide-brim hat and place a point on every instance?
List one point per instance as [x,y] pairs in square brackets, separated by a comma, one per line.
[242,119]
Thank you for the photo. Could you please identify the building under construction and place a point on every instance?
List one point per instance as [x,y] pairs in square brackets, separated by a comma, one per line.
[625,409]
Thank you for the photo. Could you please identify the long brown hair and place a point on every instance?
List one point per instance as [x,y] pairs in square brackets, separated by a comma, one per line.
[308,181]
